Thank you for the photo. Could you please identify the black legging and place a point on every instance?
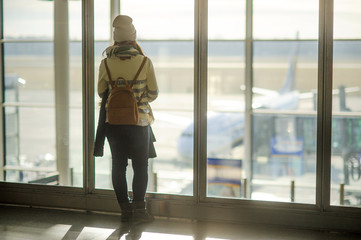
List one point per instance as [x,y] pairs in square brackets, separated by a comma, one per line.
[129,141]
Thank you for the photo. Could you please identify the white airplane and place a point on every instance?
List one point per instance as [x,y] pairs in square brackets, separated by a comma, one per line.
[226,130]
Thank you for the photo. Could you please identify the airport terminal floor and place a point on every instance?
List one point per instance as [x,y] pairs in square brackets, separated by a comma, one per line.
[24,223]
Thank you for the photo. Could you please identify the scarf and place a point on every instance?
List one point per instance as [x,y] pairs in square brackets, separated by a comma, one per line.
[123,50]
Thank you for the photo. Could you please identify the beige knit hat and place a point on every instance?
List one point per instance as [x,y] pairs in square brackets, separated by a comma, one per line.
[124,29]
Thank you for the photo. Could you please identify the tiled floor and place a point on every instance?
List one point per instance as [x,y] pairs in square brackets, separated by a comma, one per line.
[18,223]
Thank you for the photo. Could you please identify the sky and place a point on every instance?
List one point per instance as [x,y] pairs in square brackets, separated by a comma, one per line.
[170,19]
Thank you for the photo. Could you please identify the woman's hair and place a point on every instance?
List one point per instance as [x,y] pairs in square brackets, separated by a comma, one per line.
[124,43]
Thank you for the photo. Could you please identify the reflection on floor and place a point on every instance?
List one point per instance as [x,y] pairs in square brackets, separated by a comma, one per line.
[18,223]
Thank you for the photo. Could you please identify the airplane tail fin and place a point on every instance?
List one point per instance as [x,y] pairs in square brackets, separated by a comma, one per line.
[290,81]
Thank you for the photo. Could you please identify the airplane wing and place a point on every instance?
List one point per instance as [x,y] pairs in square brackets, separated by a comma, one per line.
[261,91]
[308,95]
[226,105]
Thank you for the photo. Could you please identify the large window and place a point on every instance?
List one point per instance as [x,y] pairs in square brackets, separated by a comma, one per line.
[284,121]
[243,115]
[169,44]
[226,102]
[42,93]
[283,159]
[281,165]
[346,110]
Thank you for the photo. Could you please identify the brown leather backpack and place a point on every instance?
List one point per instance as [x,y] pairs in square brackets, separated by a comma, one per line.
[122,105]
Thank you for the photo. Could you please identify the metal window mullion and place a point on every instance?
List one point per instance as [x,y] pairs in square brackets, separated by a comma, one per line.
[324,105]
[248,93]
[2,83]
[200,99]
[88,94]
[61,86]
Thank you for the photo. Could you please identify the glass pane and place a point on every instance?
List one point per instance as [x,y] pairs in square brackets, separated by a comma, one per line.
[284,19]
[221,15]
[225,121]
[347,19]
[346,121]
[169,19]
[171,51]
[30,145]
[102,18]
[29,71]
[284,121]
[43,145]
[28,19]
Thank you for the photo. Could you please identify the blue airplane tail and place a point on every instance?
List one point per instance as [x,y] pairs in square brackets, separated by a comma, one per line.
[290,81]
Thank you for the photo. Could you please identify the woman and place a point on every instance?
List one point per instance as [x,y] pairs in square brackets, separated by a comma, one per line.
[123,59]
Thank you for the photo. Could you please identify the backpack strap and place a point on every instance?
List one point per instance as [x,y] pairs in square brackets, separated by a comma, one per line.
[136,76]
[108,72]
[139,70]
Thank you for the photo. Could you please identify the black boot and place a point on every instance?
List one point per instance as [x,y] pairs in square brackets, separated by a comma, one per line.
[140,213]
[127,212]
